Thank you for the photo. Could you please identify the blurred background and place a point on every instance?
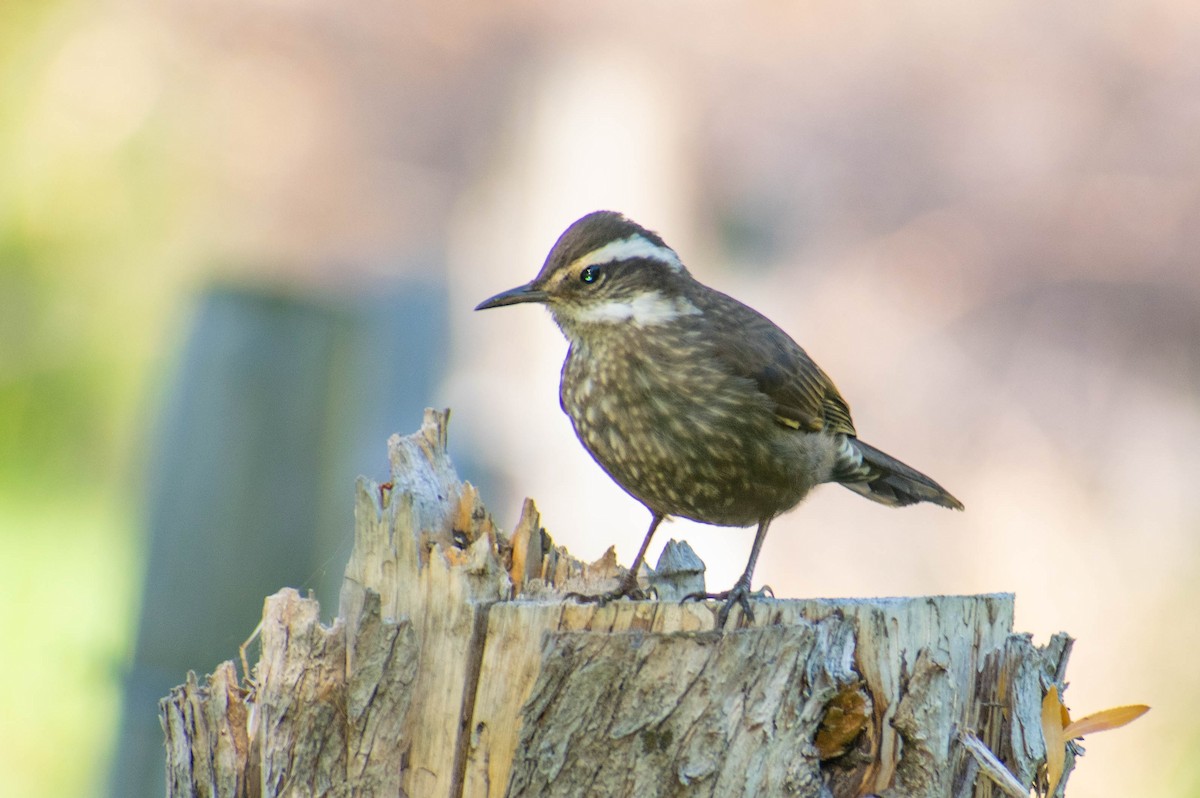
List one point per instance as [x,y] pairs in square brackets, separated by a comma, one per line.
[240,243]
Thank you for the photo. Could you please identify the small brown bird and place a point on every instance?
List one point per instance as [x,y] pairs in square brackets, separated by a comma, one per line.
[695,404]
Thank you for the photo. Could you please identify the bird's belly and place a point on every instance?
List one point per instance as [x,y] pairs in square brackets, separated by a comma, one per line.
[703,446]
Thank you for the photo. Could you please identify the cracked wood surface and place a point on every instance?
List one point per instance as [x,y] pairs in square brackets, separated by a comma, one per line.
[454,669]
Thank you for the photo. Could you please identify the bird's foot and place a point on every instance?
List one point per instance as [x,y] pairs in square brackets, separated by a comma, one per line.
[627,589]
[740,594]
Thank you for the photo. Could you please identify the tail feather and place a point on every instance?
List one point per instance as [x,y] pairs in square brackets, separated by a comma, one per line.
[882,478]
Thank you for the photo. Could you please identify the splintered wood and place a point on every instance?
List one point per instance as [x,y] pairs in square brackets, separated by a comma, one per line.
[455,668]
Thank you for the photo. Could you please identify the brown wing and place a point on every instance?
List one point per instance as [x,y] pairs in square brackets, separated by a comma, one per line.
[752,346]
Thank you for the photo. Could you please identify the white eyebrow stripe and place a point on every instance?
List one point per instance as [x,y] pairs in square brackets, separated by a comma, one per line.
[636,246]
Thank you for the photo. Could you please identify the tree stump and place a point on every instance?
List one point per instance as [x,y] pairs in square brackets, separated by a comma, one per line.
[455,668]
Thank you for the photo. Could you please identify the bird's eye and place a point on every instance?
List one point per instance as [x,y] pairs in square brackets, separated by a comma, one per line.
[590,274]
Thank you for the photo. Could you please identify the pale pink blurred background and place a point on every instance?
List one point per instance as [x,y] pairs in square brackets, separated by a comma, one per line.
[981,219]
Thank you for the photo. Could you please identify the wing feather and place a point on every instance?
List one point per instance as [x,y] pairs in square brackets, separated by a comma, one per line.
[804,396]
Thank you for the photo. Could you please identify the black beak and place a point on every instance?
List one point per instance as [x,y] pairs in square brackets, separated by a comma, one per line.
[513,296]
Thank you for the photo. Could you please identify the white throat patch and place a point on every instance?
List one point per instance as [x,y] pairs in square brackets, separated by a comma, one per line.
[644,310]
[636,246]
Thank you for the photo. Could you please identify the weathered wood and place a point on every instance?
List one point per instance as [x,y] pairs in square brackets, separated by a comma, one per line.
[613,714]
[455,668]
[206,736]
[679,572]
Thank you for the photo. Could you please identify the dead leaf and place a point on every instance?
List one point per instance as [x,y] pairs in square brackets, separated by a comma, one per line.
[1058,729]
[1053,716]
[1104,720]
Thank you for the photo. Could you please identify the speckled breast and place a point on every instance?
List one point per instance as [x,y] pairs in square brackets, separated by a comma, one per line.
[680,434]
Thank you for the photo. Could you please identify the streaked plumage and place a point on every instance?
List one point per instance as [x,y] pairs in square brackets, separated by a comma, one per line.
[695,404]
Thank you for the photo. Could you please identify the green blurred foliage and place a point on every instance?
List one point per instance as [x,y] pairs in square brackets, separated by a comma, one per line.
[64,563]
[89,215]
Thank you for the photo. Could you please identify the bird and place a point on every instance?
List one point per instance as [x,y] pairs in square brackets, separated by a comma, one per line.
[695,404]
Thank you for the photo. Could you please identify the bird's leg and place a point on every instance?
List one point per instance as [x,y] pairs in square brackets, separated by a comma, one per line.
[740,593]
[629,585]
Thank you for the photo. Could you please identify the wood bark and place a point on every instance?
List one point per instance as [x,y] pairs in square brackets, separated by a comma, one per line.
[455,668]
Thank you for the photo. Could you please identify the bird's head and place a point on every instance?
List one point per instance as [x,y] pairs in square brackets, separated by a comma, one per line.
[606,270]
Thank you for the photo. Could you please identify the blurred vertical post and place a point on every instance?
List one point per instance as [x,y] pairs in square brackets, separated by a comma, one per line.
[279,401]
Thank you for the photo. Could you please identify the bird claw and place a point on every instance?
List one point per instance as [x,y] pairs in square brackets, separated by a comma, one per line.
[627,589]
[740,594]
